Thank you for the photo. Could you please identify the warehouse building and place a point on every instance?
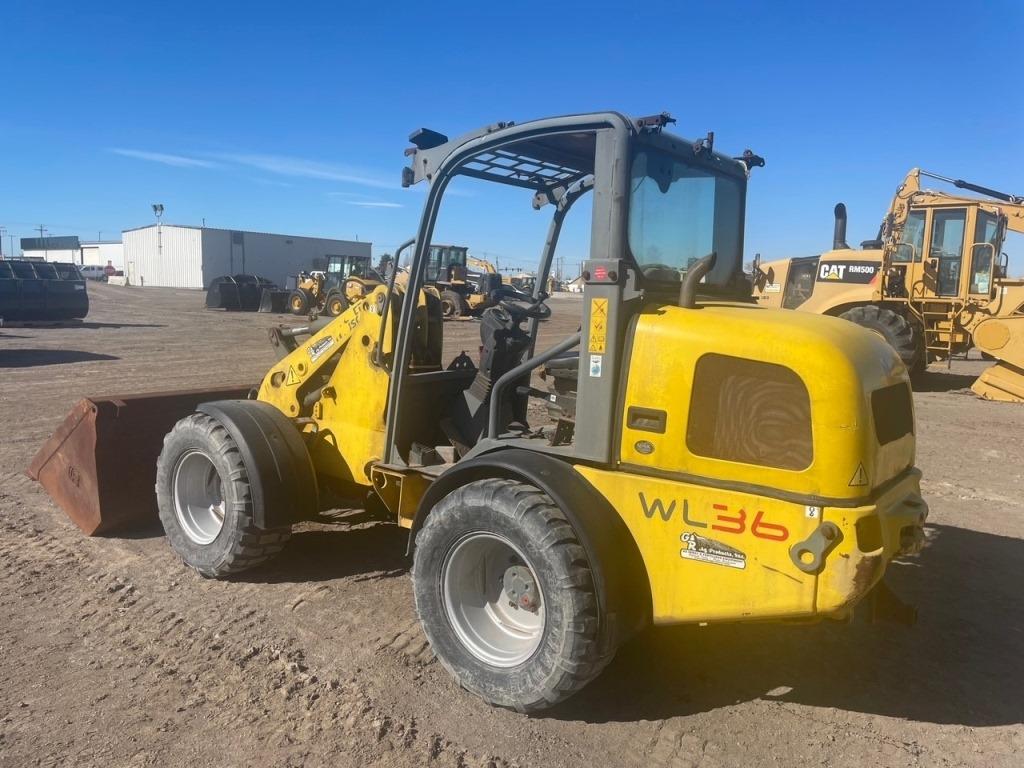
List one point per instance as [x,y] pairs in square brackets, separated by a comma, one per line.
[176,256]
[71,249]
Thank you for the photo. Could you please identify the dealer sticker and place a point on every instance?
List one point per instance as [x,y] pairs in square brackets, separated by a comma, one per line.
[710,551]
[317,350]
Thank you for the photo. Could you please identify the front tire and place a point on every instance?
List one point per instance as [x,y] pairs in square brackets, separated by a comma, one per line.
[894,328]
[506,596]
[336,303]
[299,301]
[205,501]
[451,305]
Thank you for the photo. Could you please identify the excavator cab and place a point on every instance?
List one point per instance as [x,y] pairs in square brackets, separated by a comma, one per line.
[933,284]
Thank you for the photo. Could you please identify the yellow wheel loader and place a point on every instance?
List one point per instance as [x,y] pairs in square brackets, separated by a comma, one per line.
[727,463]
[463,281]
[346,279]
[933,283]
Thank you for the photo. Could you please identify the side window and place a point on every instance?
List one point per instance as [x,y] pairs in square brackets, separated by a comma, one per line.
[984,251]
[912,242]
[433,264]
[750,412]
[948,234]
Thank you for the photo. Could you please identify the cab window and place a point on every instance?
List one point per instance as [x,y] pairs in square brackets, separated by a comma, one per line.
[947,248]
[984,250]
[912,242]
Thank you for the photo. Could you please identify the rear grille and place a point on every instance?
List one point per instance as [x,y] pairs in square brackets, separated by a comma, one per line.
[893,412]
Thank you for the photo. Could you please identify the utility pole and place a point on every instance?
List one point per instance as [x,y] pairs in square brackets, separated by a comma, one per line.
[3,231]
[46,251]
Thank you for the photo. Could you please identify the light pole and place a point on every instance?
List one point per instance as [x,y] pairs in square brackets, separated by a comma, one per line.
[158,211]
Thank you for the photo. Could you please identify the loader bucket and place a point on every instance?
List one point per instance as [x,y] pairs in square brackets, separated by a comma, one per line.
[1003,338]
[274,300]
[100,464]
[1003,382]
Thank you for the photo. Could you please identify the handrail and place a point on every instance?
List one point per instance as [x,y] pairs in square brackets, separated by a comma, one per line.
[510,376]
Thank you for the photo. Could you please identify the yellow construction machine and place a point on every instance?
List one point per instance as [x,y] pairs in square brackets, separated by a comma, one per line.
[728,464]
[933,283]
[464,282]
[331,291]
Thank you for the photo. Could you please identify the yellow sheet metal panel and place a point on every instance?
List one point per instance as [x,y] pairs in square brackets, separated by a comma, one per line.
[711,554]
[839,363]
[870,536]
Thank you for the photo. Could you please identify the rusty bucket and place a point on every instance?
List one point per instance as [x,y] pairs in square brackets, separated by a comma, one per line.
[100,464]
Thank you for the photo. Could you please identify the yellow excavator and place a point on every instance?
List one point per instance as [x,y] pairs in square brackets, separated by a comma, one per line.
[933,284]
[723,463]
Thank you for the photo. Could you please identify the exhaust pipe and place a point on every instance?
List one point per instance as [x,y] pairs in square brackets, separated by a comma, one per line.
[839,235]
[688,290]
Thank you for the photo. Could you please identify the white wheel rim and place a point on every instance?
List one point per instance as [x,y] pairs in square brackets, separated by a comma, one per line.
[198,497]
[500,627]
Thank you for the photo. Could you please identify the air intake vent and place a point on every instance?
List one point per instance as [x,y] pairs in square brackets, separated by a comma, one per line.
[751,412]
[893,412]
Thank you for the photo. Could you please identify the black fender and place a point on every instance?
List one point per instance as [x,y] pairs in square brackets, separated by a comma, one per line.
[623,587]
[281,473]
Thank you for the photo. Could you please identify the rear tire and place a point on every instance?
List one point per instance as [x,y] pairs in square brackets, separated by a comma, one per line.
[894,328]
[506,596]
[299,301]
[205,501]
[451,305]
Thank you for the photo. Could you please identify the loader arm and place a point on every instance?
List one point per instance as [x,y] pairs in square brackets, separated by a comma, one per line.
[292,385]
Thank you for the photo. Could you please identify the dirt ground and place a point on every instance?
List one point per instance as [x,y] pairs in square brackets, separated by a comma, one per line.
[113,654]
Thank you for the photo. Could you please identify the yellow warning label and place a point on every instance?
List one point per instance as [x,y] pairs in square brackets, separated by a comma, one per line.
[598,325]
[860,477]
[292,378]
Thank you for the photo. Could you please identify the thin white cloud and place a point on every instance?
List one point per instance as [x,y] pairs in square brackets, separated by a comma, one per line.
[374,204]
[179,161]
[313,169]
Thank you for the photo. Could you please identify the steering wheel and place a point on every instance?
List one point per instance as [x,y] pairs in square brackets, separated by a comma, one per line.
[520,304]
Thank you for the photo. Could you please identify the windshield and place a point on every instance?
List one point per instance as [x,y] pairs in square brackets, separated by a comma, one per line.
[679,213]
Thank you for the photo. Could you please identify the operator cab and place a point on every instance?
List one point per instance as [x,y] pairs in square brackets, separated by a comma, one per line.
[672,224]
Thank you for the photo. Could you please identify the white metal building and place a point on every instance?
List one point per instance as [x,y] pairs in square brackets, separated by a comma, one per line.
[176,256]
[88,252]
[102,252]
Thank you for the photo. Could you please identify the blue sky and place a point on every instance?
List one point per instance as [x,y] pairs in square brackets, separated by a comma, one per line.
[293,117]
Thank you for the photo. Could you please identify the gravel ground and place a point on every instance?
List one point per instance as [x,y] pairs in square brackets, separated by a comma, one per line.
[113,654]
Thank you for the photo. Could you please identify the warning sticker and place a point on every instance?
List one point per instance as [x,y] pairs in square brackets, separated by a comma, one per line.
[292,378]
[598,325]
[710,551]
[860,477]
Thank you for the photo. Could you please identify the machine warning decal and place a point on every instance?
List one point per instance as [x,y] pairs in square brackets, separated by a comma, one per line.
[773,288]
[847,272]
[595,366]
[860,477]
[316,351]
[292,378]
[710,551]
[598,327]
